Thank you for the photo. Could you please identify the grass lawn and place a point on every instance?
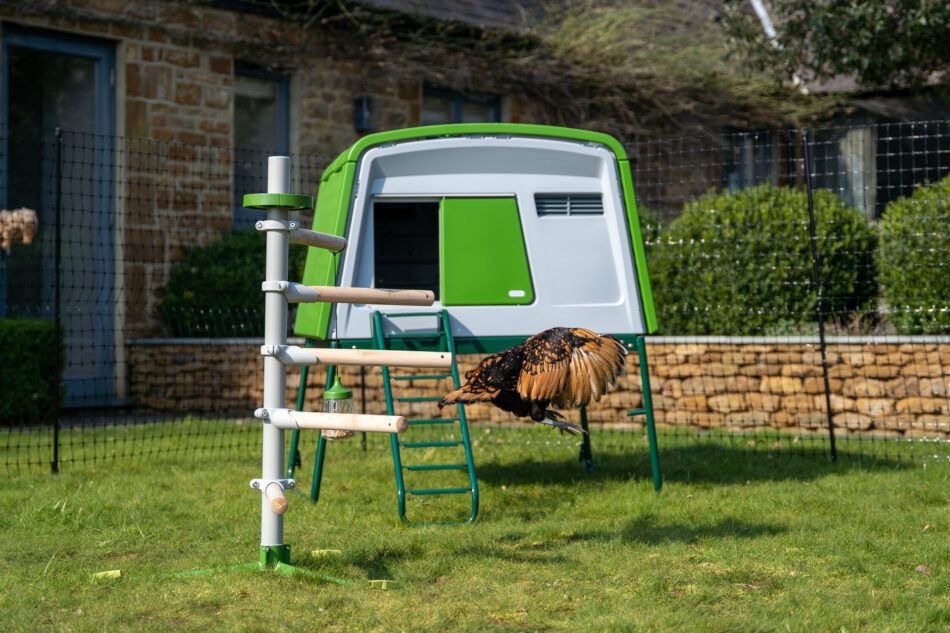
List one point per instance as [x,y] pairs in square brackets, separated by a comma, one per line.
[736,541]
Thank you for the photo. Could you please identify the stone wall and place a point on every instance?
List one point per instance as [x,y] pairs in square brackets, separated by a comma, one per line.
[882,388]
[878,388]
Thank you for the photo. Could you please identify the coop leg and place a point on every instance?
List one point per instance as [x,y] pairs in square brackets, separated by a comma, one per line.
[586,455]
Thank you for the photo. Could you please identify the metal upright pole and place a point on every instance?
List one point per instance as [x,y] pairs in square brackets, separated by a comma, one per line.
[57,300]
[273,549]
[816,277]
[648,410]
[586,453]
[320,456]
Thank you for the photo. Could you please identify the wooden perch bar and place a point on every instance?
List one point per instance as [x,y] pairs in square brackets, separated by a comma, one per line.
[275,497]
[345,421]
[332,294]
[294,355]
[320,240]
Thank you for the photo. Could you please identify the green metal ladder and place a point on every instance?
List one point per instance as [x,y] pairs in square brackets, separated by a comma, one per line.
[442,338]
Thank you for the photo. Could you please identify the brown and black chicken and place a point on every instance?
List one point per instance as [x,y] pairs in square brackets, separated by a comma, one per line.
[563,367]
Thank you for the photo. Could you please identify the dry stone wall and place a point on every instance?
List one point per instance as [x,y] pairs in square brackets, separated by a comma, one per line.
[881,388]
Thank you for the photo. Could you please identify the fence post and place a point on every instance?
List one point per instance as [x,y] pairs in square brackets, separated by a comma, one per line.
[57,314]
[812,229]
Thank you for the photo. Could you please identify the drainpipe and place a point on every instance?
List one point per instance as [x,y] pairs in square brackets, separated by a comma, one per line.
[770,33]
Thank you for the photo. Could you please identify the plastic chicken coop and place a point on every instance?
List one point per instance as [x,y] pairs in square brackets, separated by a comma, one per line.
[515,228]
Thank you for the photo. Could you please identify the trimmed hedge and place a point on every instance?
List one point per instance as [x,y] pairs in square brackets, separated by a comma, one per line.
[215,290]
[914,260]
[740,263]
[30,371]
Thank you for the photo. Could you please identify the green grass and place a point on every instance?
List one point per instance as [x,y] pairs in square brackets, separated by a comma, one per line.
[736,541]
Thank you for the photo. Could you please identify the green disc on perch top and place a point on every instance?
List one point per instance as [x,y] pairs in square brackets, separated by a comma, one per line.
[291,201]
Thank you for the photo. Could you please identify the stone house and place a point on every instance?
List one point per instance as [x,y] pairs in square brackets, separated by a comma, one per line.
[134,128]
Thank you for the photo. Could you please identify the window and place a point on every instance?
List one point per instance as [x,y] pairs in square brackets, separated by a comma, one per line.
[441,106]
[53,80]
[569,204]
[747,161]
[261,129]
[406,247]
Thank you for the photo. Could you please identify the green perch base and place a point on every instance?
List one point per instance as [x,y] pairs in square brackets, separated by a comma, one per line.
[274,558]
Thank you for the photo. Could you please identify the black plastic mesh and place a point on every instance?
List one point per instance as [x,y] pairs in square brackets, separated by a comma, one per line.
[797,314]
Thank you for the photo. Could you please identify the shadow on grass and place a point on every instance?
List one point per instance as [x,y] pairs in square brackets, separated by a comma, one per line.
[645,529]
[713,465]
[546,553]
[377,566]
[377,563]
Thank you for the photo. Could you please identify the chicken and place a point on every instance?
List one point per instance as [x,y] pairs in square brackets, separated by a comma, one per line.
[563,367]
[18,225]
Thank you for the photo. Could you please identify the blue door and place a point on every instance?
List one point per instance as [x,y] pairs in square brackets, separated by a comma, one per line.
[56,157]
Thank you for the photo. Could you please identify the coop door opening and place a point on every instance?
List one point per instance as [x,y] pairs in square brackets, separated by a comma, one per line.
[483,257]
[406,245]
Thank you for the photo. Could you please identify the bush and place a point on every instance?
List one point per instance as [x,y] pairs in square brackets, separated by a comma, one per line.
[215,290]
[30,371]
[740,263]
[912,256]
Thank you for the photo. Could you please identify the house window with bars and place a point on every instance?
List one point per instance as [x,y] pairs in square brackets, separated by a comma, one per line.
[442,106]
[261,129]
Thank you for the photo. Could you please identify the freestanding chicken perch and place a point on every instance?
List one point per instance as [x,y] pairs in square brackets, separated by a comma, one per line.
[563,367]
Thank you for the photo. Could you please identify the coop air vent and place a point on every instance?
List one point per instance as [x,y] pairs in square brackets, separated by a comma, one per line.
[569,204]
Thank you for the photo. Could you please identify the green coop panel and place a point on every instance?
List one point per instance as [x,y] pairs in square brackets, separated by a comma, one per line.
[483,259]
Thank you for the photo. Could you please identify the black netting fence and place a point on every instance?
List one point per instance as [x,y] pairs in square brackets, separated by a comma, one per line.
[135,265]
[800,279]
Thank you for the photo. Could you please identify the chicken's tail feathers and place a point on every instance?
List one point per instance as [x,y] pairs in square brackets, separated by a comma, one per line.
[595,366]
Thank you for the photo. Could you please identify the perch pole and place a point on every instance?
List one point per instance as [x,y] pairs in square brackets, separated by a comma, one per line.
[273,550]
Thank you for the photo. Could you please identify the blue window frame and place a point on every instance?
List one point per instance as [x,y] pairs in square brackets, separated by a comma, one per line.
[58,103]
[102,53]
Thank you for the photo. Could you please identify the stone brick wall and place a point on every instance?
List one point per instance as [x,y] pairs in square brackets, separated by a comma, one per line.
[881,389]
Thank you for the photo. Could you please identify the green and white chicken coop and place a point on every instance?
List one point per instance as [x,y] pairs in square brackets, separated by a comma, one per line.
[514,228]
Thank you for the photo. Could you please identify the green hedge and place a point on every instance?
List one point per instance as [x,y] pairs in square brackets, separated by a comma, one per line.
[215,290]
[740,263]
[30,371]
[914,260]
